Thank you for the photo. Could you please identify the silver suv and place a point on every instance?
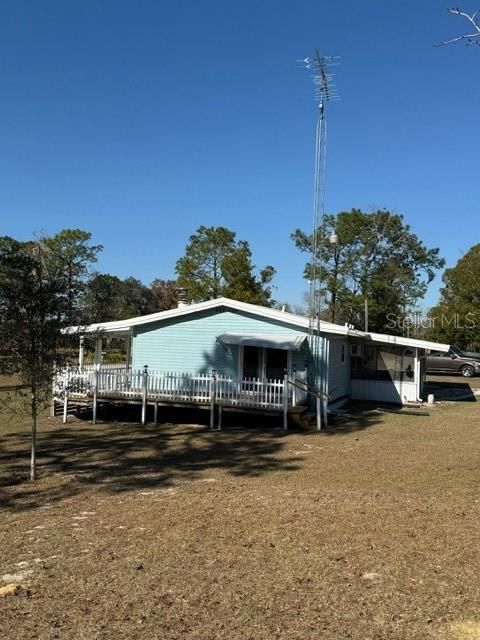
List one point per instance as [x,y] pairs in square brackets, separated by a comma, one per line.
[454,361]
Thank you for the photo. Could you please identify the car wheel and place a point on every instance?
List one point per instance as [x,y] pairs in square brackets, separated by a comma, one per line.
[467,371]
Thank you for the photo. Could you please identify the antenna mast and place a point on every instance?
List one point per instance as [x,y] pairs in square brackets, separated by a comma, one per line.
[325,91]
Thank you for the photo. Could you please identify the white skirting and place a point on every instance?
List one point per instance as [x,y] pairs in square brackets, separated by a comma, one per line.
[394,391]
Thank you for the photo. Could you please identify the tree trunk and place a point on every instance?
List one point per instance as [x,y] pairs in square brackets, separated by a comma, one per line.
[33,456]
[333,293]
[215,278]
[333,306]
[70,293]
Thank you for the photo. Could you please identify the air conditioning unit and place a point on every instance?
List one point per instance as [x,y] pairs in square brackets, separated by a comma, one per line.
[356,350]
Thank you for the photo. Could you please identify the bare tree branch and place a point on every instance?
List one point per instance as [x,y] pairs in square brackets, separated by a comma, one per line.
[471,38]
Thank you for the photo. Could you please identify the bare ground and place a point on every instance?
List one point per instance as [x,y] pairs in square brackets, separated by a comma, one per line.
[369,530]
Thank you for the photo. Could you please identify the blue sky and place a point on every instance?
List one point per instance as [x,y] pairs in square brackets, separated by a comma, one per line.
[139,121]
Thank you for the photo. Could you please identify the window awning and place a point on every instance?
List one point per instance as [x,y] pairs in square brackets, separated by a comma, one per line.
[288,342]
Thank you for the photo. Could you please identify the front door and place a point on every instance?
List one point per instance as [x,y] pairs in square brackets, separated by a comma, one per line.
[275,363]
[252,362]
[264,363]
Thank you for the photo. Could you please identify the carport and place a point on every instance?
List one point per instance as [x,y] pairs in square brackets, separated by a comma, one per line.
[389,369]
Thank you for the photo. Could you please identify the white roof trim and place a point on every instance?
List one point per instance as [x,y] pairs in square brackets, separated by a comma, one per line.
[125,326]
[386,338]
[117,326]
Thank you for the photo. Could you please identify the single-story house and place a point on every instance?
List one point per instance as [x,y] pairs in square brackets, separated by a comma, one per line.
[247,347]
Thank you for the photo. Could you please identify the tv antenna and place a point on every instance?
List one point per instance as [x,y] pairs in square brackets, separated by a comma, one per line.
[325,91]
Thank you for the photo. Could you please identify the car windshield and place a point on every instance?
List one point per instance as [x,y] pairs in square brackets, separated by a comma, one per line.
[465,354]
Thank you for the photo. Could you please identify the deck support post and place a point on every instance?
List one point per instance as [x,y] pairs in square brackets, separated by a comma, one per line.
[220,414]
[155,413]
[54,388]
[144,393]
[213,381]
[81,353]
[294,388]
[128,350]
[65,408]
[325,412]
[65,397]
[285,401]
[319,413]
[97,358]
[95,393]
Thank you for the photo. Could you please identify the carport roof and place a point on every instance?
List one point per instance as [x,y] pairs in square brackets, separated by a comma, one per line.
[385,338]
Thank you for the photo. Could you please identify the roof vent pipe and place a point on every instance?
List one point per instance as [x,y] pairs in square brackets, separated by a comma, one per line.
[181,297]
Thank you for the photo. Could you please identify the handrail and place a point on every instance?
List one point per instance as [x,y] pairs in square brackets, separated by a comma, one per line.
[309,389]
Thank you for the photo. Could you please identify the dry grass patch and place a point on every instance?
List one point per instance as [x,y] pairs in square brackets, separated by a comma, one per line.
[465,631]
[365,532]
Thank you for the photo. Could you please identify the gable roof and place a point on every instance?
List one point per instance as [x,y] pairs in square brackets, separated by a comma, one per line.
[124,327]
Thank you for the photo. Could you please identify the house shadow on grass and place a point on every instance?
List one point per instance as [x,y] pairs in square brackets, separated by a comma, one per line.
[118,454]
[113,457]
[357,421]
[449,391]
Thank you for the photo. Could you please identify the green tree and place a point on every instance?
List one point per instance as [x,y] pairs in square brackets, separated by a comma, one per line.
[32,311]
[164,295]
[71,255]
[107,297]
[136,298]
[377,259]
[101,300]
[456,319]
[216,264]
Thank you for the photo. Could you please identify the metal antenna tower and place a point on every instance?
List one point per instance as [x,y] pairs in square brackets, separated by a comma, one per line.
[325,91]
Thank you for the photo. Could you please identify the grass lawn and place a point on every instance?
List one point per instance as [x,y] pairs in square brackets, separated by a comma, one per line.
[176,532]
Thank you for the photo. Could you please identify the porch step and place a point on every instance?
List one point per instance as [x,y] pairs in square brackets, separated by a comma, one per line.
[297,409]
[73,408]
[302,417]
[310,418]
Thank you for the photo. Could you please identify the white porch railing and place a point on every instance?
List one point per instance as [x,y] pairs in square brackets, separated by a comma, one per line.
[107,383]
[114,366]
[158,386]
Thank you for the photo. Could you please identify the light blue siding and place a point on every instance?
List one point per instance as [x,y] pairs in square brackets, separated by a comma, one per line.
[338,371]
[189,344]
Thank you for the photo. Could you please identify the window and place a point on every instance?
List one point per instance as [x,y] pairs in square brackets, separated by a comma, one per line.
[342,354]
[384,362]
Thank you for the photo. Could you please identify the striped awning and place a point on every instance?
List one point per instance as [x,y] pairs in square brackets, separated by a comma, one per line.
[288,342]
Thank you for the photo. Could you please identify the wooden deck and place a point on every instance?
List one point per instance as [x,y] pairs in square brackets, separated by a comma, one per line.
[118,384]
